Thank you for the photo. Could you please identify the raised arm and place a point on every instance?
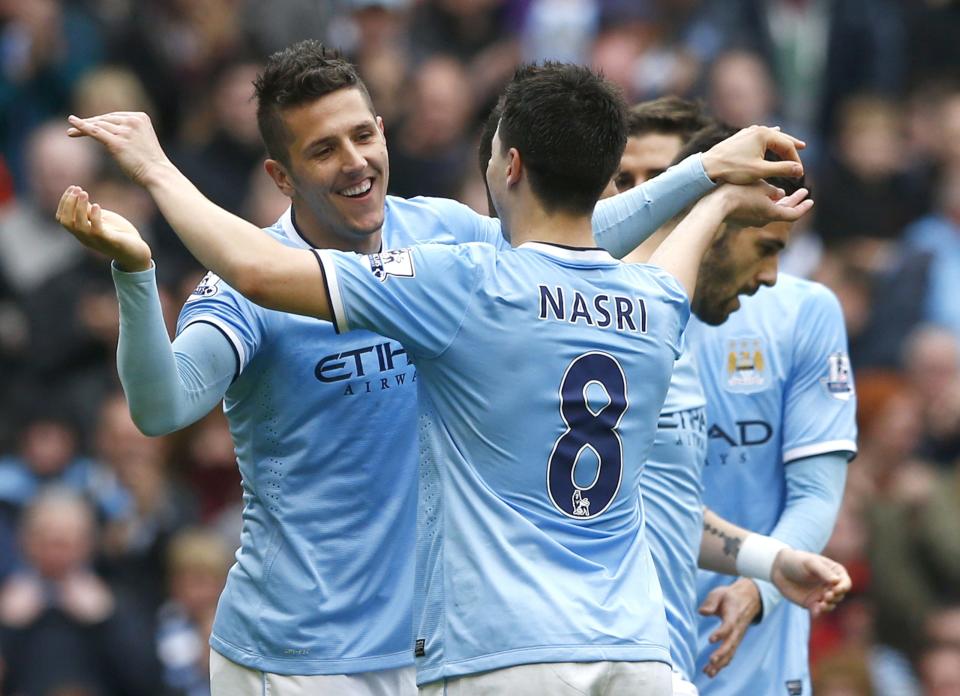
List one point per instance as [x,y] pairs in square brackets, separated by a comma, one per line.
[262,269]
[168,386]
[623,222]
[754,205]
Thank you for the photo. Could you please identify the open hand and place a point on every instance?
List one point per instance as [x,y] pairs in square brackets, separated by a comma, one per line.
[103,230]
[736,605]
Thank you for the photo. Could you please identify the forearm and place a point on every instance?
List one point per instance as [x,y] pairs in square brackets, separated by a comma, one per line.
[167,388]
[814,493]
[681,252]
[623,222]
[261,268]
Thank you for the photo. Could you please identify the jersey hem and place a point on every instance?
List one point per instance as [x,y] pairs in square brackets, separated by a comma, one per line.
[525,656]
[828,447]
[298,666]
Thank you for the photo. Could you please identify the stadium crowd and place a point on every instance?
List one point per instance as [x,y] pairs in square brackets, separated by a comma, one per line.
[129,537]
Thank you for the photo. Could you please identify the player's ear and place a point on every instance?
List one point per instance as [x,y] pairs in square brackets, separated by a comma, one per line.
[380,126]
[280,176]
[514,166]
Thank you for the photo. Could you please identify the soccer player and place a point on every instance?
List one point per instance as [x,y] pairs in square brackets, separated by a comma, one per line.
[317,416]
[780,431]
[530,551]
[672,482]
[657,130]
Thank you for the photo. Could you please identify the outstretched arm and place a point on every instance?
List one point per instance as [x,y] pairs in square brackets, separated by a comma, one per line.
[262,269]
[167,386]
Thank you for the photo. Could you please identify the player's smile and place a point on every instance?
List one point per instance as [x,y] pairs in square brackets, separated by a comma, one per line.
[360,191]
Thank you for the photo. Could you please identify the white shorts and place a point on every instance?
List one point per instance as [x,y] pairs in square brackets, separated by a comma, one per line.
[230,679]
[681,687]
[561,679]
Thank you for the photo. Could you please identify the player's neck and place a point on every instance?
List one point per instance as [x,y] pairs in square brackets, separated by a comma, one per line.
[320,236]
[534,224]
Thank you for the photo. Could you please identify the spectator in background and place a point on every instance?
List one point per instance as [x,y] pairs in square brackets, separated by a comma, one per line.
[219,163]
[476,32]
[48,454]
[197,564]
[741,90]
[33,248]
[111,88]
[931,362]
[429,153]
[381,51]
[45,46]
[56,606]
[819,52]
[135,545]
[938,237]
[866,191]
[939,668]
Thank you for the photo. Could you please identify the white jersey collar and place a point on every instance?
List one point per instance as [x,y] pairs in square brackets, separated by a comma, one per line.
[568,253]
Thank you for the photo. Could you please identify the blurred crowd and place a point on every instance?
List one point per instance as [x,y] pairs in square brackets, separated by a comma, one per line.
[114,546]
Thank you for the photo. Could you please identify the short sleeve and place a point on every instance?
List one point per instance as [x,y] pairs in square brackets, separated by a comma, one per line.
[464,224]
[820,398]
[215,303]
[418,296]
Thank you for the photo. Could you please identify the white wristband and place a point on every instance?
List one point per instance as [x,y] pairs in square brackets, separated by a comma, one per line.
[757,555]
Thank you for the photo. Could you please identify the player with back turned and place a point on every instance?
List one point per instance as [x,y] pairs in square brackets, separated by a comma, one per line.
[519,530]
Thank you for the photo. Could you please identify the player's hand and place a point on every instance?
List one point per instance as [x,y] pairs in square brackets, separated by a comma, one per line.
[813,581]
[129,138]
[740,158]
[736,605]
[760,204]
[103,230]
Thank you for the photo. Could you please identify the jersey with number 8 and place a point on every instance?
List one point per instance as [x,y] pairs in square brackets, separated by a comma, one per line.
[541,372]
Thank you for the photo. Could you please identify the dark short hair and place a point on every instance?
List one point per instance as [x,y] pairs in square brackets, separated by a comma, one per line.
[570,127]
[667,116]
[717,132]
[485,149]
[294,76]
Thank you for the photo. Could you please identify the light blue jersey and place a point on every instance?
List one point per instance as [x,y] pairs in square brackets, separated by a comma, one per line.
[323,428]
[779,388]
[673,499]
[540,372]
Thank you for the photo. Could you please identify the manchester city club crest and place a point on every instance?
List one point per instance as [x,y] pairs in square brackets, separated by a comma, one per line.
[747,367]
[396,262]
[838,382]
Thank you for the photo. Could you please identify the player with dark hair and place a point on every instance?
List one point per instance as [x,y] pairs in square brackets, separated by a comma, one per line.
[526,553]
[657,130]
[742,260]
[323,602]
